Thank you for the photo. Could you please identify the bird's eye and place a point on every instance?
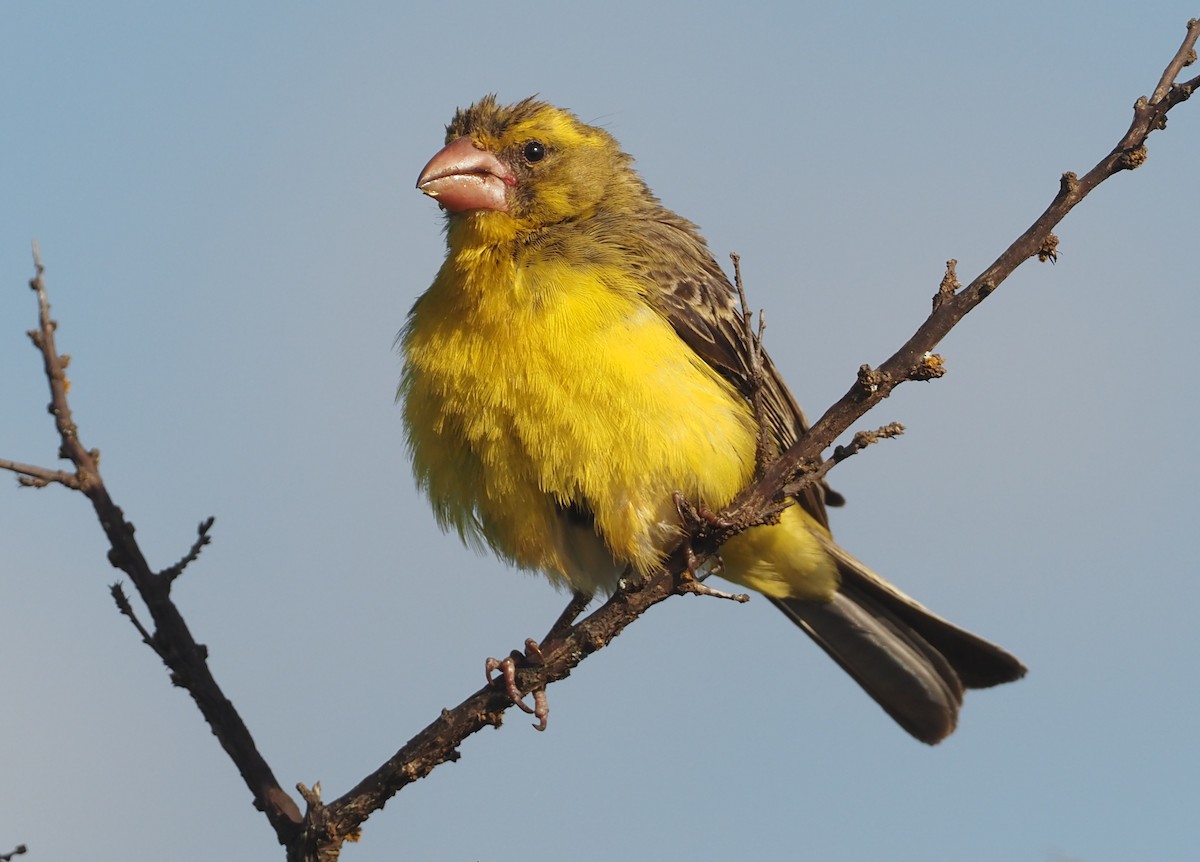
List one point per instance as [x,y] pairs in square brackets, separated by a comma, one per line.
[534,151]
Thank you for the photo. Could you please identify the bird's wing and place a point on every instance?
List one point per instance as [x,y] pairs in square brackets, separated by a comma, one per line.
[693,293]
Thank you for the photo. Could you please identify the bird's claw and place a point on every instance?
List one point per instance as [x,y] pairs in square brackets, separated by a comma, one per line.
[696,518]
[508,672]
[698,515]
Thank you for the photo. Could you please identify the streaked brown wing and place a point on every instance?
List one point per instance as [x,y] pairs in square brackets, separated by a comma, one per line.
[697,298]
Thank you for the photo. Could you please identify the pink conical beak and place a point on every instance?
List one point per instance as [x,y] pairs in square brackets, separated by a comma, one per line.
[464,177]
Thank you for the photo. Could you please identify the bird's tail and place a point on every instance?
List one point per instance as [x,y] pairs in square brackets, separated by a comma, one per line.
[915,664]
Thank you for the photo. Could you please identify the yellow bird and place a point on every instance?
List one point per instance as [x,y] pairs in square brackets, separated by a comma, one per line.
[580,357]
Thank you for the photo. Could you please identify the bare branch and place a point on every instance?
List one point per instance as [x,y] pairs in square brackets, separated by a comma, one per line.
[126,609]
[202,539]
[321,830]
[171,638]
[801,465]
[952,304]
[30,476]
[1185,56]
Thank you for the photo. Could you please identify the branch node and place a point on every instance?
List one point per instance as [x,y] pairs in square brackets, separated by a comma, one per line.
[950,285]
[870,379]
[1048,250]
[931,367]
[808,472]
[1135,156]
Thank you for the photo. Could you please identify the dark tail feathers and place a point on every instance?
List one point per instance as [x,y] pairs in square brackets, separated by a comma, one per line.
[915,664]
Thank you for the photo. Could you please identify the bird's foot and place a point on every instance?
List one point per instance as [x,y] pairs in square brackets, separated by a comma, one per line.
[697,515]
[697,518]
[508,672]
[562,626]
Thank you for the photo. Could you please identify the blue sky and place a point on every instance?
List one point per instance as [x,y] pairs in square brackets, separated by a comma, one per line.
[223,198]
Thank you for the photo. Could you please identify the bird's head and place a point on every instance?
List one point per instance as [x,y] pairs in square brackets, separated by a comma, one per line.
[512,169]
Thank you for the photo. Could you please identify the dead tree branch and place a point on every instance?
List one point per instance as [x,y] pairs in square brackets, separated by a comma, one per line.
[915,360]
[170,638]
[321,830]
[798,467]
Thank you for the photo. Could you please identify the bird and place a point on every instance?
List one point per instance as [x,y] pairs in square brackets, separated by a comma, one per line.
[581,359]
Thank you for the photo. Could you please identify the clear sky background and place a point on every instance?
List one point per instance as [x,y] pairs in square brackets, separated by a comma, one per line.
[223,194]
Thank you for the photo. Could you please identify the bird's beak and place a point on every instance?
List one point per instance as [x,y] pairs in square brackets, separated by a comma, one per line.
[464,177]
